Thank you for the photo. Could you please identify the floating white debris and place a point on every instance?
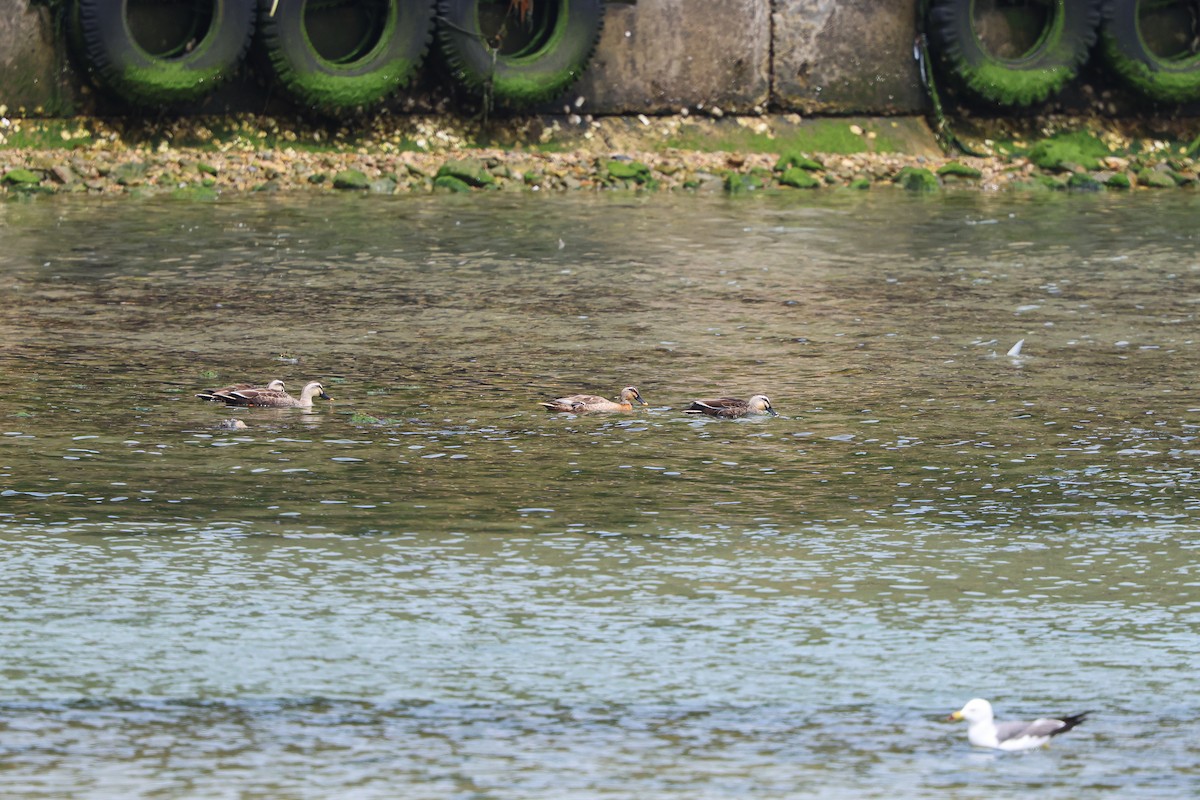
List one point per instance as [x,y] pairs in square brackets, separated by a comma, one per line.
[1015,350]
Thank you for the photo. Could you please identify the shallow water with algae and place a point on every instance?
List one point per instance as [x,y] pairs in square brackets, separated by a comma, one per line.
[432,588]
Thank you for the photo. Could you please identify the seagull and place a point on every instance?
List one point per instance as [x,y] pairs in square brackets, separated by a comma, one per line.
[983,731]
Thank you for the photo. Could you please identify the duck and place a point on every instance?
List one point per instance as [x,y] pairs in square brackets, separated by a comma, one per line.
[586,403]
[213,395]
[274,398]
[731,407]
[983,731]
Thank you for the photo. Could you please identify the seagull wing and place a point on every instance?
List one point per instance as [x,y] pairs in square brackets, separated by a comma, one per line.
[1042,728]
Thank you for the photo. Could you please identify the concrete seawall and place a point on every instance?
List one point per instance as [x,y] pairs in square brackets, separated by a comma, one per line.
[808,56]
[655,56]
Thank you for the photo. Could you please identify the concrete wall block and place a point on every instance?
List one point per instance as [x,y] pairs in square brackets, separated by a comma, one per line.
[659,56]
[32,75]
[846,57]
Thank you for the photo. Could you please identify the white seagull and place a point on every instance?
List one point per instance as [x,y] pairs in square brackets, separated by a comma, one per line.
[983,731]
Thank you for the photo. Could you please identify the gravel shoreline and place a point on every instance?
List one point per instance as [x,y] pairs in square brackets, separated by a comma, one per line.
[187,158]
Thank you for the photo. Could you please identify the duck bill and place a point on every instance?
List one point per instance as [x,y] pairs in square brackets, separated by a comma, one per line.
[324,396]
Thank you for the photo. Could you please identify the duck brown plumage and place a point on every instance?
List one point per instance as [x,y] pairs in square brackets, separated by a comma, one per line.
[731,407]
[274,398]
[587,403]
[214,395]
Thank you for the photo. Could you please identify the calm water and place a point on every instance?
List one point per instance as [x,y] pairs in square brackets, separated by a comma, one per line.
[430,588]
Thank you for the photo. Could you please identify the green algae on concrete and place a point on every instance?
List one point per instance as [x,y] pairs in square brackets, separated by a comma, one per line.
[1083,182]
[1057,183]
[788,160]
[351,180]
[627,170]
[21,177]
[956,169]
[839,136]
[194,193]
[469,171]
[1154,179]
[541,134]
[1068,150]
[737,183]
[753,180]
[451,184]
[45,134]
[917,179]
[799,178]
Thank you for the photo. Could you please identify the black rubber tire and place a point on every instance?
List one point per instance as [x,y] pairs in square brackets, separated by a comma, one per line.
[535,63]
[1170,78]
[181,71]
[1069,31]
[395,40]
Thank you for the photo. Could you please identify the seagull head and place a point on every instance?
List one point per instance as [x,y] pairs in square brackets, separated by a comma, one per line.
[977,710]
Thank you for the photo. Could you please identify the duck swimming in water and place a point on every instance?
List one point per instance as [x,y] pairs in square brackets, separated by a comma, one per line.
[588,403]
[273,398]
[731,407]
[213,395]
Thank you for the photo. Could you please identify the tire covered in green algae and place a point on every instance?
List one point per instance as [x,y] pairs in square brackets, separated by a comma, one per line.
[516,58]
[161,52]
[1020,70]
[1153,46]
[333,56]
